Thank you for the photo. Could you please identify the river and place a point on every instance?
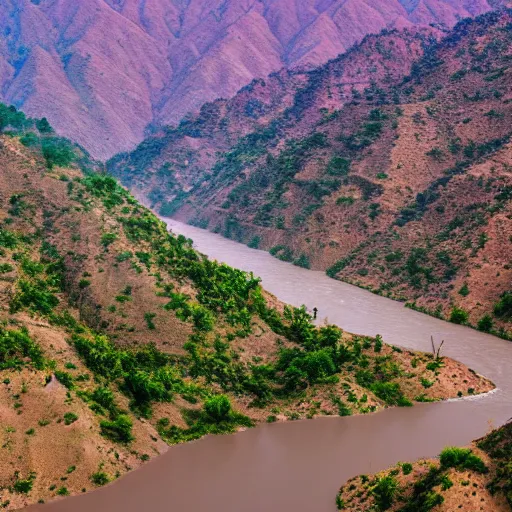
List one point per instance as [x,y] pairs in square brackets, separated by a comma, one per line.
[299,466]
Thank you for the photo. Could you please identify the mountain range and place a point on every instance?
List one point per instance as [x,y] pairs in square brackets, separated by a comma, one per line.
[105,71]
[389,167]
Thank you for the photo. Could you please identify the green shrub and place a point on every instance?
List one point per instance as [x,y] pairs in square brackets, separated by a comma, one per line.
[69,418]
[104,397]
[503,308]
[389,392]
[108,239]
[34,295]
[57,151]
[485,323]
[348,200]
[254,242]
[64,378]
[218,408]
[462,458]
[149,317]
[338,166]
[100,478]
[8,239]
[16,346]
[384,492]
[24,485]
[407,468]
[302,261]
[30,139]
[464,290]
[118,430]
[458,315]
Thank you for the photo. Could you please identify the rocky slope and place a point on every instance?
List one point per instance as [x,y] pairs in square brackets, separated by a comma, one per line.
[475,478]
[102,70]
[389,167]
[117,338]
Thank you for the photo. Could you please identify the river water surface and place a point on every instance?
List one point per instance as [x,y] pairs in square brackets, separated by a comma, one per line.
[299,466]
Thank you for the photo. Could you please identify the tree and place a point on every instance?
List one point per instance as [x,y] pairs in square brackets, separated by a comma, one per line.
[503,307]
[44,126]
[485,323]
[218,408]
[385,491]
[458,315]
[57,151]
[119,430]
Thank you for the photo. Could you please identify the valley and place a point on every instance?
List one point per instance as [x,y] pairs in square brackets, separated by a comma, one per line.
[398,183]
[118,338]
[104,72]
[255,255]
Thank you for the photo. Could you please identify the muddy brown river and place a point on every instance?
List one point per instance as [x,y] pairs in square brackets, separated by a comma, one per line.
[299,466]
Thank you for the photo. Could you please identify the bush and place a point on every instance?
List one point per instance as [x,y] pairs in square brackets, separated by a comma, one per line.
[69,418]
[57,151]
[462,458]
[105,398]
[24,486]
[16,346]
[407,468]
[34,295]
[302,261]
[119,430]
[384,492]
[338,166]
[485,323]
[390,392]
[503,308]
[64,378]
[217,408]
[458,315]
[100,478]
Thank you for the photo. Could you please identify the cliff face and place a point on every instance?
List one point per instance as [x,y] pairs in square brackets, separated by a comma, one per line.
[102,70]
[389,167]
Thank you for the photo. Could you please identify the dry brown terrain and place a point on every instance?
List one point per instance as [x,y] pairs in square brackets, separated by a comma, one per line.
[389,167]
[431,485]
[103,70]
[91,325]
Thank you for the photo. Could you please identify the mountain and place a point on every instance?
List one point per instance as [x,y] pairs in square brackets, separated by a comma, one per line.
[389,166]
[103,70]
[474,478]
[117,338]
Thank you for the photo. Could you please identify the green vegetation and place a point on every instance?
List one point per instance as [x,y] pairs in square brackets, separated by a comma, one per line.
[100,478]
[458,315]
[70,418]
[461,458]
[17,350]
[23,485]
[503,308]
[385,491]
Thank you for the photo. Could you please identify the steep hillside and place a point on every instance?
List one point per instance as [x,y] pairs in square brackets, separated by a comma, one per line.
[117,338]
[476,478]
[399,182]
[102,70]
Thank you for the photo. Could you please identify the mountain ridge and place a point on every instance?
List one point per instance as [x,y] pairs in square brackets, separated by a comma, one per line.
[356,161]
[102,71]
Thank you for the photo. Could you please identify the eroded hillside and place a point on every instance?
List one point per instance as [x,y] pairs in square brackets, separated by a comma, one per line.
[103,70]
[389,167]
[475,478]
[117,338]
